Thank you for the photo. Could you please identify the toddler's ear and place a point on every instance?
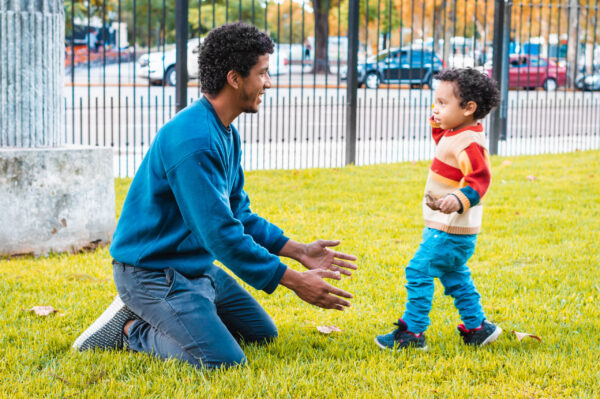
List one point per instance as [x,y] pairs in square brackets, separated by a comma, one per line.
[470,108]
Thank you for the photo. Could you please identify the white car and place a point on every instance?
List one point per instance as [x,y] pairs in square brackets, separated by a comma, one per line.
[159,67]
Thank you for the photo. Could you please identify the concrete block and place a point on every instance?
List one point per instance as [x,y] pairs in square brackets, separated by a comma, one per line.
[55,199]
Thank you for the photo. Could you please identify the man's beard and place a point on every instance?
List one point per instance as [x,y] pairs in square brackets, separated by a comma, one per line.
[249,108]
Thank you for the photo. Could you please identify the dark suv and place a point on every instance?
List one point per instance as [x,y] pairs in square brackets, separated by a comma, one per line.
[399,65]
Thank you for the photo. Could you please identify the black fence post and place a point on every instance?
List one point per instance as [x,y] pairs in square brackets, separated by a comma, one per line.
[181,38]
[352,81]
[502,12]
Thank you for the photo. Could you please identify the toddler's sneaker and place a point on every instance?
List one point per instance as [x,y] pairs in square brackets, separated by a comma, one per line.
[480,336]
[401,338]
[107,331]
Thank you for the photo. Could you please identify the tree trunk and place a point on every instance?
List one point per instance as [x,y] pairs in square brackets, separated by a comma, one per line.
[573,41]
[321,64]
[438,29]
[447,52]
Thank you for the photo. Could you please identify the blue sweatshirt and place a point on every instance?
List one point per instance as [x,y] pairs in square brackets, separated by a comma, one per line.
[187,206]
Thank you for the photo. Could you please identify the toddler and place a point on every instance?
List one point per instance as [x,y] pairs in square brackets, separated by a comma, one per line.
[458,179]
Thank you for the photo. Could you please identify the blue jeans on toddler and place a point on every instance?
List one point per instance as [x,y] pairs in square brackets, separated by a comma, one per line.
[198,320]
[444,256]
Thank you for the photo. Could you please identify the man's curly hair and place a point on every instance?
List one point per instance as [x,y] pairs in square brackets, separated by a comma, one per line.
[472,85]
[231,47]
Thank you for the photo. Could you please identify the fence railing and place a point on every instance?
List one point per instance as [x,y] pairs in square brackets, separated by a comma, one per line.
[120,58]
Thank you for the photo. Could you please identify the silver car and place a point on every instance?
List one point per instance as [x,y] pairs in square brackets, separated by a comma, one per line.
[159,67]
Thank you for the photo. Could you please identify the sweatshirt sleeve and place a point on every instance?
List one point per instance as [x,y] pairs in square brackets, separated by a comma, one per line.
[264,233]
[199,185]
[474,162]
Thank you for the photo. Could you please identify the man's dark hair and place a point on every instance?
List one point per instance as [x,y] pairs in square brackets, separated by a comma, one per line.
[234,46]
[472,85]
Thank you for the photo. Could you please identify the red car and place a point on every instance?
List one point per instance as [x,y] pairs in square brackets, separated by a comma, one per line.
[530,72]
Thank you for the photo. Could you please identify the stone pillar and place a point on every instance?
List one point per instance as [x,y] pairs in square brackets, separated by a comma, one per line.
[32,57]
[52,197]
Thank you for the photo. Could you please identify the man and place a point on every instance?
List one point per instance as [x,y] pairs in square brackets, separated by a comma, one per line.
[187,207]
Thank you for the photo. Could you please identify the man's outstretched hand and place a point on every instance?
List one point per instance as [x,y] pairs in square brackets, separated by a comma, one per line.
[317,255]
[311,287]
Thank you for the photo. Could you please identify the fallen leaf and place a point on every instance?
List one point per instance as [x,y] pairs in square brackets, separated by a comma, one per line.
[521,335]
[591,176]
[517,213]
[531,177]
[328,329]
[507,163]
[43,310]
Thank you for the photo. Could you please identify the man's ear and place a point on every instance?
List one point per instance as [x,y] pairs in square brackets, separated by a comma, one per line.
[470,108]
[233,78]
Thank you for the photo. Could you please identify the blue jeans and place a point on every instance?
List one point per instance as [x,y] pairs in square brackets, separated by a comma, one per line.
[199,320]
[444,256]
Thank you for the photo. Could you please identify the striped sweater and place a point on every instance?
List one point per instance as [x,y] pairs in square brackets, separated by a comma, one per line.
[461,167]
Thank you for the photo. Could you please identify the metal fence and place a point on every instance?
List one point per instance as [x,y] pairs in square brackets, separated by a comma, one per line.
[120,63]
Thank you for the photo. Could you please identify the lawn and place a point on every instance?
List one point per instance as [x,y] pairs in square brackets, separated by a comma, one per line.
[536,266]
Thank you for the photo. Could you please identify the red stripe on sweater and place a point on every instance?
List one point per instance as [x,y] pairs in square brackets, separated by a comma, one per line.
[445,170]
[481,177]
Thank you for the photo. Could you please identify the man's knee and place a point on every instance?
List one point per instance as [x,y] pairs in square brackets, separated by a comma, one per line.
[267,335]
[270,335]
[225,363]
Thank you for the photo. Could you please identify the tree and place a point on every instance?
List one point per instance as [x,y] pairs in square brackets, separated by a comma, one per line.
[287,22]
[81,10]
[321,12]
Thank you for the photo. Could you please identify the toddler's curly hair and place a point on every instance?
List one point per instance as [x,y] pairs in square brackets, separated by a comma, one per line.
[472,85]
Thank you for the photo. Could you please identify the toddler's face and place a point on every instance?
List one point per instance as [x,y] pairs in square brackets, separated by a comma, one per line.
[447,111]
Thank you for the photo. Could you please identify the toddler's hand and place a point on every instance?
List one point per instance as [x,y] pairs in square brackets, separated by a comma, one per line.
[449,204]
[432,202]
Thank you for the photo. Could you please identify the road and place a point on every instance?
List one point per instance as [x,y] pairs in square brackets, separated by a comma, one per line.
[304,126]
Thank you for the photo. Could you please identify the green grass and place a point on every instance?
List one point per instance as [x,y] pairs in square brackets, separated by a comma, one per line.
[536,266]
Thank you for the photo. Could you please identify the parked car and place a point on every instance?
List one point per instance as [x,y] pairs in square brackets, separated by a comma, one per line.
[399,65]
[530,72]
[159,67]
[589,81]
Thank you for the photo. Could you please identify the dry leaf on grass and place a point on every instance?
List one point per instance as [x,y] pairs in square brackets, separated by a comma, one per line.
[531,177]
[328,329]
[521,335]
[42,310]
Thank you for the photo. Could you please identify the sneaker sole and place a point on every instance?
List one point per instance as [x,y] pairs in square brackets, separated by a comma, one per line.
[104,319]
[386,348]
[492,337]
